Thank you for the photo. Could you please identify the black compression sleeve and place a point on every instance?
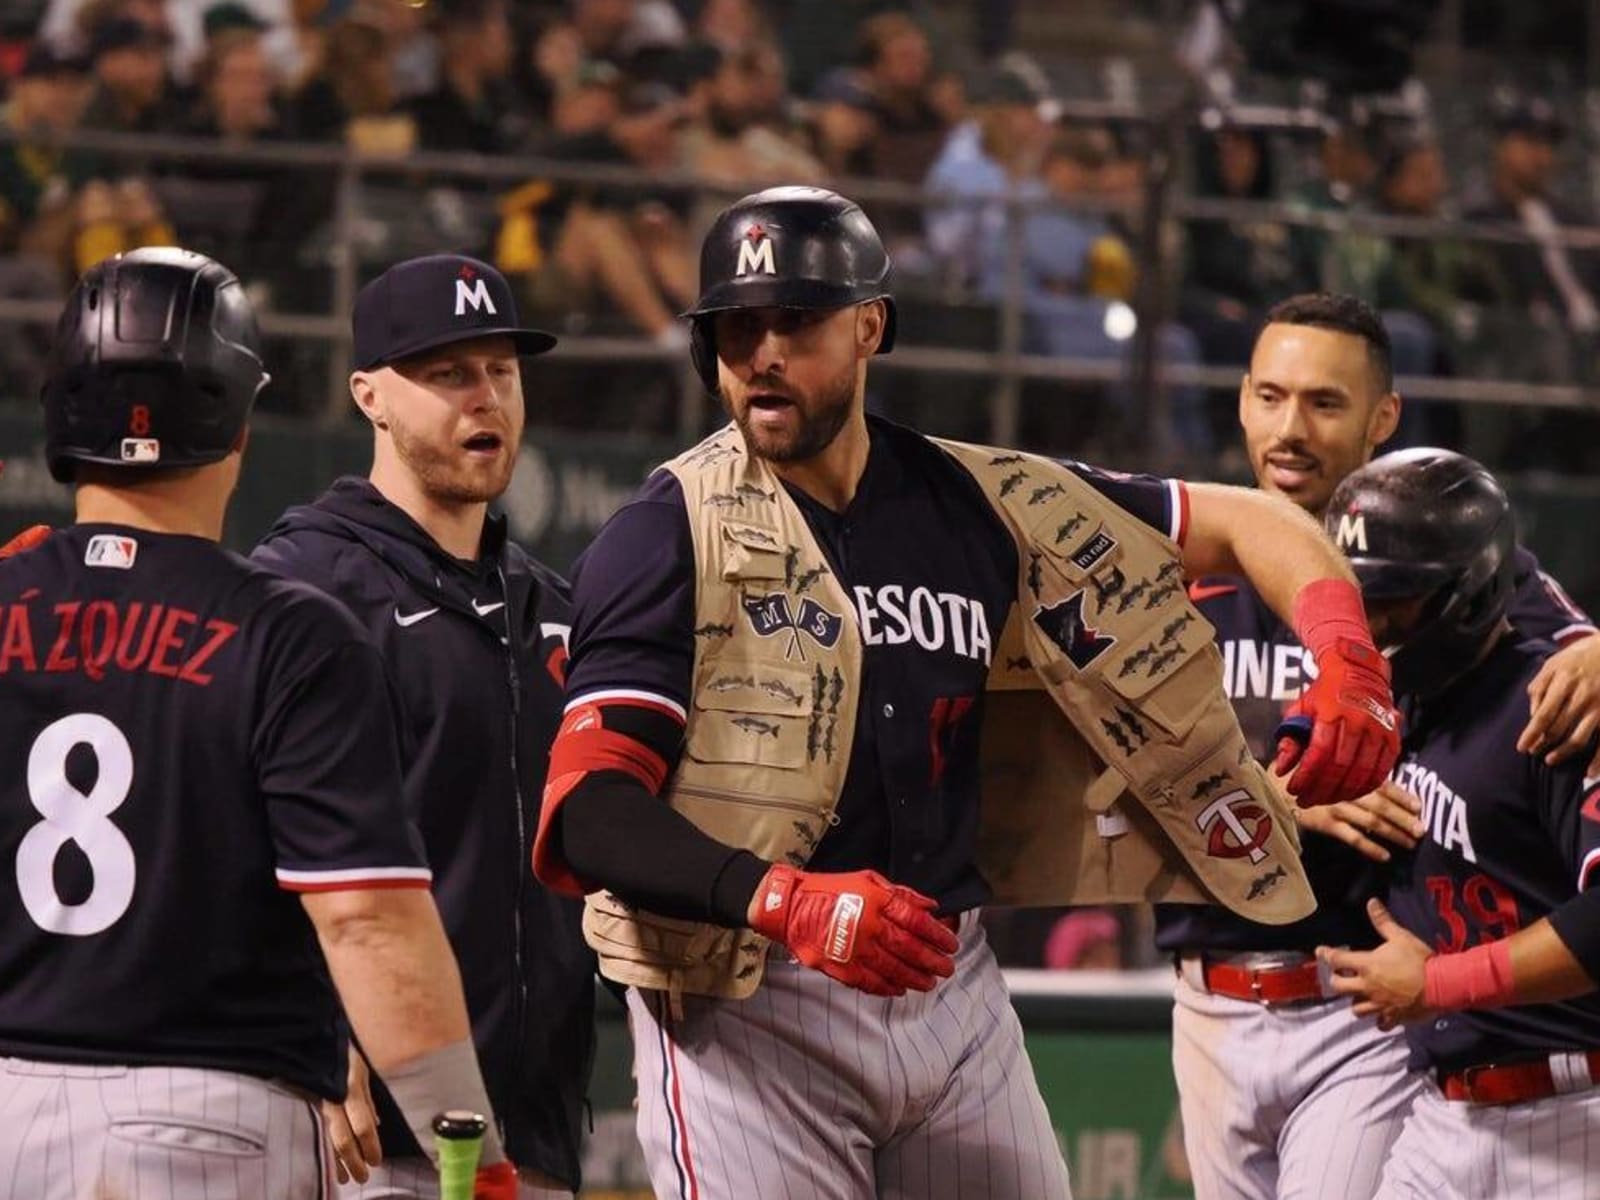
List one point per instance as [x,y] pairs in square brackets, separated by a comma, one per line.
[616,834]
[1577,923]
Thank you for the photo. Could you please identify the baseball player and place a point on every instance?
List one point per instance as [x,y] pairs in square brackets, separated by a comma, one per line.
[1499,896]
[1282,1091]
[770,758]
[200,784]
[473,637]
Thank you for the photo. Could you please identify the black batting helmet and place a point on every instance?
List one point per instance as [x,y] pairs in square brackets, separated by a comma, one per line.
[1433,523]
[156,363]
[788,247]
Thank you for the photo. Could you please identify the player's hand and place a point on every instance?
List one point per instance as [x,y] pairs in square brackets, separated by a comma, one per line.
[1391,814]
[1355,731]
[26,540]
[1388,982]
[855,927]
[1565,705]
[498,1182]
[353,1125]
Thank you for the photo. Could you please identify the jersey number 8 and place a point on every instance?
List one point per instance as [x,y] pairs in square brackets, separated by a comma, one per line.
[71,815]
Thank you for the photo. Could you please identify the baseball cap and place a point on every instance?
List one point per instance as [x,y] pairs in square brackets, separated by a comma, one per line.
[1017,79]
[231,15]
[43,62]
[120,33]
[424,303]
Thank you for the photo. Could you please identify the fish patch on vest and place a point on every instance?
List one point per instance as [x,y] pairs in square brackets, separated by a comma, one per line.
[1064,625]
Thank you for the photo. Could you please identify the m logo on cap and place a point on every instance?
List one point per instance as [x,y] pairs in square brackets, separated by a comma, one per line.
[755,253]
[477,294]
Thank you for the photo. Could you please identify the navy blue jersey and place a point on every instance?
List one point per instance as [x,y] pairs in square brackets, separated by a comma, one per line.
[186,742]
[933,574]
[1508,840]
[1265,669]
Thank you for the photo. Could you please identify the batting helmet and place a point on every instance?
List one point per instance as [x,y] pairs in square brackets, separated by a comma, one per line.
[787,247]
[156,363]
[1432,523]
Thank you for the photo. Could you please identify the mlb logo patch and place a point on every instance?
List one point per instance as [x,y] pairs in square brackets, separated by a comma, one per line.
[108,550]
[141,450]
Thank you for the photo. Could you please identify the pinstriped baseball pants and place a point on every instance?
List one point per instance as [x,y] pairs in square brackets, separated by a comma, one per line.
[72,1132]
[1542,1150]
[1291,1102]
[810,1090]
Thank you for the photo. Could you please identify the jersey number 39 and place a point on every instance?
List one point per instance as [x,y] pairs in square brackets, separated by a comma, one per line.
[83,818]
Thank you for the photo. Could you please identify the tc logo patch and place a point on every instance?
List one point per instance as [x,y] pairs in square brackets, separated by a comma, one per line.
[1063,624]
[770,615]
[1237,827]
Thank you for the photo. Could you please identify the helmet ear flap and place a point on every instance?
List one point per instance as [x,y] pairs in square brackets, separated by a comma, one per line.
[703,352]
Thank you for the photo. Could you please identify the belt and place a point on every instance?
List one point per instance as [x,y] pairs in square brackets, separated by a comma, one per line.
[1523,1082]
[1289,983]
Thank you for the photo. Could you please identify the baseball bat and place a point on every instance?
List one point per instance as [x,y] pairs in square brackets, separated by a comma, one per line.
[458,1137]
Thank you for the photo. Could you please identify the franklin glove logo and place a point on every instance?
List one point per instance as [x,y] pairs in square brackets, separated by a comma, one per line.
[847,910]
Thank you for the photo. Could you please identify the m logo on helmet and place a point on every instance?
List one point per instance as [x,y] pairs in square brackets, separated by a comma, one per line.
[755,253]
[1352,533]
[476,294]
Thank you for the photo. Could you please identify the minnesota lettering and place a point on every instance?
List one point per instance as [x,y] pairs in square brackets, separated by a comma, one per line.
[891,616]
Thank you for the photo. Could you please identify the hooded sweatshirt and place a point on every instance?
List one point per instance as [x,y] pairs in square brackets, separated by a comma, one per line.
[476,651]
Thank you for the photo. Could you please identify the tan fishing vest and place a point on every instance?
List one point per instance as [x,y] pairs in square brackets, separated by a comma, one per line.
[1113,768]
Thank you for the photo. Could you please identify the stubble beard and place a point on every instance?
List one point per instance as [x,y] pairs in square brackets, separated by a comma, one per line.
[448,481]
[817,429]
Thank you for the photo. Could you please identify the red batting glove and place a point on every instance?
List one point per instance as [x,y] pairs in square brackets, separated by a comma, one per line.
[1355,733]
[26,540]
[498,1182]
[856,927]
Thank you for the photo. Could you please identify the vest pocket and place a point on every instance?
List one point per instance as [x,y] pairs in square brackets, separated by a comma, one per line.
[633,935]
[1166,682]
[754,713]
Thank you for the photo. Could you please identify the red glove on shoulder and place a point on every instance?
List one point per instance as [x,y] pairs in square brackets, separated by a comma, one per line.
[856,927]
[498,1182]
[26,540]
[1355,733]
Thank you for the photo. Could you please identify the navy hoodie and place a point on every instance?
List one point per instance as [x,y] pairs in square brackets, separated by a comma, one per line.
[476,651]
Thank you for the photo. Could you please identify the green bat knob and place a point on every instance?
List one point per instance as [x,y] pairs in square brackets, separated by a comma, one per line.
[459,1140]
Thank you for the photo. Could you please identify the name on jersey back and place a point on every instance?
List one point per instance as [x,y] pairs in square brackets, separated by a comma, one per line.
[101,636]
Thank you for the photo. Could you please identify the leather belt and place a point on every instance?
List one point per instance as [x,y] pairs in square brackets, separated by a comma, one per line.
[1287,983]
[1523,1082]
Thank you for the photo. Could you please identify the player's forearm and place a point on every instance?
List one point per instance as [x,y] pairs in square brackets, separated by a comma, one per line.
[394,971]
[1533,966]
[1265,538]
[616,835]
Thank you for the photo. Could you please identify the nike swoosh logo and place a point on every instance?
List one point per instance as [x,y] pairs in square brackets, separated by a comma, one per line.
[1205,591]
[405,622]
[486,609]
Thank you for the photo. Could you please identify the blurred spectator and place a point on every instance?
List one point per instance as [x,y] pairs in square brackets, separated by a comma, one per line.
[1235,269]
[355,97]
[1346,262]
[474,107]
[732,25]
[1075,272]
[185,21]
[818,35]
[888,116]
[612,31]
[1084,939]
[38,181]
[237,90]
[132,93]
[724,141]
[585,252]
[1555,285]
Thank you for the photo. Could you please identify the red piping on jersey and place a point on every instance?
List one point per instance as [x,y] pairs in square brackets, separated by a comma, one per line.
[355,885]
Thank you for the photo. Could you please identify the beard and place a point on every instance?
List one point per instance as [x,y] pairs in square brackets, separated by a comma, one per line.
[446,474]
[819,422]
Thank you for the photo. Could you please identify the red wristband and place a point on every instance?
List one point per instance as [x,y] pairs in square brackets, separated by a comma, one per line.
[1476,978]
[1326,610]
